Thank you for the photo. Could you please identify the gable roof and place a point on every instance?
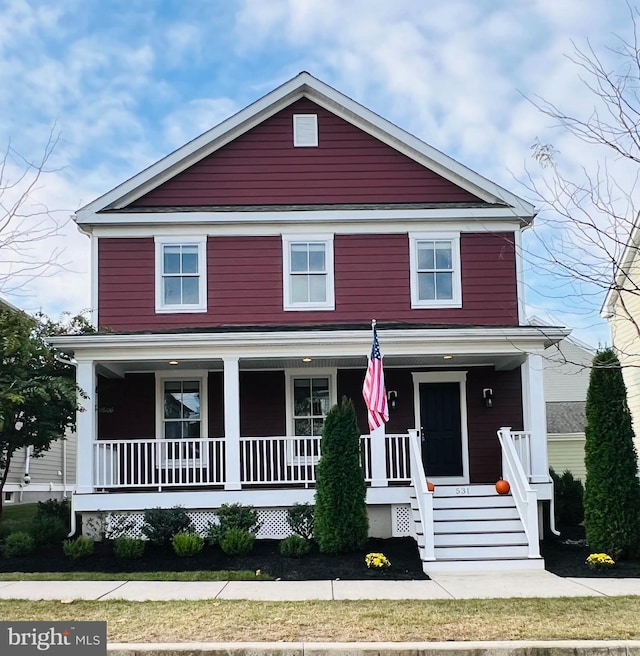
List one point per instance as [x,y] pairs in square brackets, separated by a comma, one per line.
[304,85]
[623,267]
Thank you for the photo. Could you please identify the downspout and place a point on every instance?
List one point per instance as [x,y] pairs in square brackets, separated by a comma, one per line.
[72,529]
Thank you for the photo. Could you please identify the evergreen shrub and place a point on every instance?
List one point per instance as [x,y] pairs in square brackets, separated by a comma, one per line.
[161,524]
[233,516]
[187,545]
[81,547]
[18,544]
[568,493]
[128,548]
[237,542]
[294,546]
[301,519]
[48,529]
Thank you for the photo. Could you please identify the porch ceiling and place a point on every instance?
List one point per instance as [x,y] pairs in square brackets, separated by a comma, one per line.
[500,362]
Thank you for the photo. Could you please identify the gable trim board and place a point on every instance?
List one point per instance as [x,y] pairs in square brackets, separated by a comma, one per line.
[304,85]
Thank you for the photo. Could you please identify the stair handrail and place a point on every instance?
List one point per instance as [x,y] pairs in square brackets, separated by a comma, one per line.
[525,497]
[424,497]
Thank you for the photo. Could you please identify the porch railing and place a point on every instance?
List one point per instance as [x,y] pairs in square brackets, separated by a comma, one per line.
[522,444]
[424,498]
[277,461]
[524,495]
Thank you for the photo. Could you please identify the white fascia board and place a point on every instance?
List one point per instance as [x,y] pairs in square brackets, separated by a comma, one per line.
[397,342]
[316,216]
[303,84]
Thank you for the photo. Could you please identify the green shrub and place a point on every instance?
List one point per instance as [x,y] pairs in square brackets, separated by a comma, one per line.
[301,519]
[237,542]
[233,516]
[18,544]
[294,546]
[48,529]
[568,493]
[186,545]
[612,488]
[161,524]
[81,547]
[55,508]
[129,548]
[341,522]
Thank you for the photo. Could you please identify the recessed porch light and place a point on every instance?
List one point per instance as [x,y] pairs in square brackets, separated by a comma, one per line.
[447,357]
[306,359]
[173,363]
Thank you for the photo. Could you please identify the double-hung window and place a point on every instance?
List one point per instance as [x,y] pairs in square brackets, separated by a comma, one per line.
[308,272]
[181,274]
[435,270]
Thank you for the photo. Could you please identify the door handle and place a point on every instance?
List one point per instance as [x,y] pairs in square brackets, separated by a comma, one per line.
[421,434]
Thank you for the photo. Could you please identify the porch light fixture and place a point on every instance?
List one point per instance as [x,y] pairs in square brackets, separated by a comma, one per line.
[392,398]
[447,357]
[487,395]
[306,359]
[173,363]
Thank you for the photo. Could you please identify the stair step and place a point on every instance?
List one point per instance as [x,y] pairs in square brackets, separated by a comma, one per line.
[492,501]
[466,514]
[493,552]
[479,539]
[464,491]
[477,525]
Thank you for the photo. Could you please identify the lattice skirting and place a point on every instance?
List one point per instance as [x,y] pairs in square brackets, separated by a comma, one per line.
[273,523]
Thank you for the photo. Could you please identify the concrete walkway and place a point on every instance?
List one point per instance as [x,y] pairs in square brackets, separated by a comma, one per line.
[486,585]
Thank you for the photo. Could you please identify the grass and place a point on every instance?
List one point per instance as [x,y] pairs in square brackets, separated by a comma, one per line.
[347,621]
[197,575]
[18,517]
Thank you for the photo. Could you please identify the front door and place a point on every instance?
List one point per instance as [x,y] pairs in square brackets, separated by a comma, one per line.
[441,431]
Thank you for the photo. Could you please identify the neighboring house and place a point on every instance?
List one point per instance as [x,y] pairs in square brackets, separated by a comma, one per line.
[234,284]
[49,476]
[622,311]
[567,367]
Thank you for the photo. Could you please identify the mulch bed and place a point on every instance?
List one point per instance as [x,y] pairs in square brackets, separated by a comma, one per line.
[566,555]
[266,557]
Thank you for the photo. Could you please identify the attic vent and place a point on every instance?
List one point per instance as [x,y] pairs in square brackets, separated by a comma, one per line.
[305,130]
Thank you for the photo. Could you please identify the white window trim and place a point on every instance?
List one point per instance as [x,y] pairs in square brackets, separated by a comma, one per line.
[454,238]
[183,240]
[313,143]
[290,376]
[287,240]
[202,377]
[459,377]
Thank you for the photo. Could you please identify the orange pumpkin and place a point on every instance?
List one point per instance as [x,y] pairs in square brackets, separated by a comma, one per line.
[502,487]
[430,486]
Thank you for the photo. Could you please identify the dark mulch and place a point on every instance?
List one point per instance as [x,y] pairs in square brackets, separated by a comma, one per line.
[402,552]
[566,555]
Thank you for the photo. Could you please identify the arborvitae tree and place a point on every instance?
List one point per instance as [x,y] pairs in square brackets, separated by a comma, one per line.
[341,522]
[612,488]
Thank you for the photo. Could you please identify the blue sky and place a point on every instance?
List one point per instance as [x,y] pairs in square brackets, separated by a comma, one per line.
[126,82]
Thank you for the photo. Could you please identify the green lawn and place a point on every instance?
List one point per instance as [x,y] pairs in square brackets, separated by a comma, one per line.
[347,621]
[17,517]
[196,575]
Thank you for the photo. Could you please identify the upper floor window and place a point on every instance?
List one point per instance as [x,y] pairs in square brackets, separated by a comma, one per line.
[435,270]
[181,274]
[308,273]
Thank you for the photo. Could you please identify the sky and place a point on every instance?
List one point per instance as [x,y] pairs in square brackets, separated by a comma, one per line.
[121,83]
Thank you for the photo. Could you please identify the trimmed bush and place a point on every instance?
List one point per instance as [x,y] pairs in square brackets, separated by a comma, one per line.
[301,519]
[294,546]
[612,488]
[237,542]
[81,547]
[56,508]
[161,524]
[568,493]
[186,545]
[233,516]
[128,548]
[18,544]
[48,529]
[341,522]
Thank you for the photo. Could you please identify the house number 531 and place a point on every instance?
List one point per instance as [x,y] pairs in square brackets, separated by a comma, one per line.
[462,490]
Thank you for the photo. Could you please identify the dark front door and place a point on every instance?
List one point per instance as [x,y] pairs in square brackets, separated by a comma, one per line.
[441,431]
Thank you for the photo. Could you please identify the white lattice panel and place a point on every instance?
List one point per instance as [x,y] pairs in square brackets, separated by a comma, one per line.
[401,521]
[274,524]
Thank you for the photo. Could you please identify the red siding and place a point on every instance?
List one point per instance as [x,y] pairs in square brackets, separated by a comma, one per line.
[245,283]
[126,407]
[262,403]
[263,167]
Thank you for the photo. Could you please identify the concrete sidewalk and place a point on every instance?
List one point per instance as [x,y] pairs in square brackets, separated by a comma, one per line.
[486,585]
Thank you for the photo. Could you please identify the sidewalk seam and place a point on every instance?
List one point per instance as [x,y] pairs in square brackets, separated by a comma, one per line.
[113,590]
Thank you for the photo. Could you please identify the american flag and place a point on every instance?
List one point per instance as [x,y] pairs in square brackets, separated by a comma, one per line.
[373,390]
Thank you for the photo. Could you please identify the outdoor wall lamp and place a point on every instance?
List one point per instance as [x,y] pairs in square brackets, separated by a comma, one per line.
[487,395]
[392,398]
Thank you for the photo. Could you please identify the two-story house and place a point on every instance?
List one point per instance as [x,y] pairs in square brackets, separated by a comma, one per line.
[235,282]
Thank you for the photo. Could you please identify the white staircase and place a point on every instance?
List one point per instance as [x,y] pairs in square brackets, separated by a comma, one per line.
[474,528]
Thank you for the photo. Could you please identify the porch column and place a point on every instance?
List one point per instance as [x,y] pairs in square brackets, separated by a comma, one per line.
[86,426]
[232,422]
[535,416]
[378,458]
